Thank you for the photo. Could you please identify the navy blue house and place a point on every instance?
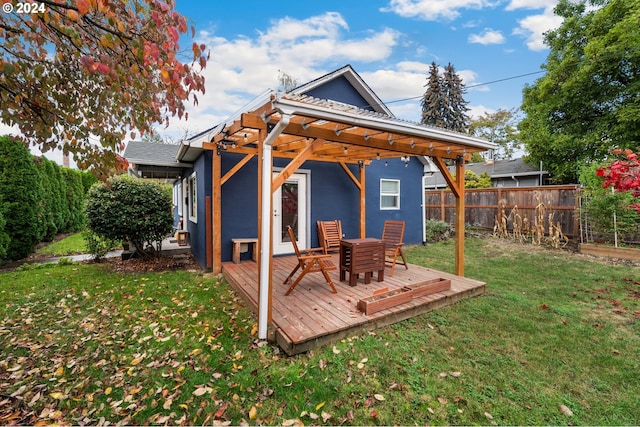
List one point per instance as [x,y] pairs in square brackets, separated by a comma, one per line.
[329,149]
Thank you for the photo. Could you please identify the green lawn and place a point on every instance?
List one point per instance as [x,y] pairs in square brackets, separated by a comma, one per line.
[70,245]
[556,340]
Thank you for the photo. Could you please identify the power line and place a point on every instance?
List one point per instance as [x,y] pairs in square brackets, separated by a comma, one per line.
[476,85]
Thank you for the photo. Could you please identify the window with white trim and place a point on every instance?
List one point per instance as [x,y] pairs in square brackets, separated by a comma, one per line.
[193,198]
[389,194]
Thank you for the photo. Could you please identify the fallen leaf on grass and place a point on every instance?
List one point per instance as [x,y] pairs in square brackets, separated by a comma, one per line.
[565,410]
[220,412]
[202,390]
[442,400]
[320,405]
[378,397]
[488,415]
[167,404]
[253,412]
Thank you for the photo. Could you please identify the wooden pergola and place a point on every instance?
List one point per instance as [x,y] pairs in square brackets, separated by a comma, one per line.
[303,128]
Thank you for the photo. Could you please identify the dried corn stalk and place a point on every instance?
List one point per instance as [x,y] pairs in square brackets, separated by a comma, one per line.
[518,223]
[537,234]
[500,227]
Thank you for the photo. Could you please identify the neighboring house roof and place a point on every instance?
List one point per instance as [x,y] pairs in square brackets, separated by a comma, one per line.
[505,168]
[498,169]
[153,160]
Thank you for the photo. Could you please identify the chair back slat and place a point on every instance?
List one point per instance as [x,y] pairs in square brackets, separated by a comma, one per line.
[393,231]
[330,234]
[292,236]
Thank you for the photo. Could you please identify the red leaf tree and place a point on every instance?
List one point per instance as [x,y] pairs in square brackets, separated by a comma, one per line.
[623,174]
[83,75]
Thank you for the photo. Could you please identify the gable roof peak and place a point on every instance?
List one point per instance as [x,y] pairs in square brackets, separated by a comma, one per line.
[355,80]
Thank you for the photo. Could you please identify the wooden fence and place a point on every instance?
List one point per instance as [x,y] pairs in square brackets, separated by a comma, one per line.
[483,206]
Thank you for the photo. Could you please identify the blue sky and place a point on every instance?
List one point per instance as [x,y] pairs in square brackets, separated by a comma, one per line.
[390,43]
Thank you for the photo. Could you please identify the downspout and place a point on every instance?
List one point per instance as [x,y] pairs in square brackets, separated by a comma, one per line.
[424,210]
[516,180]
[265,238]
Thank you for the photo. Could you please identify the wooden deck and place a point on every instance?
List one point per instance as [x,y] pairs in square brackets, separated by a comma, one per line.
[313,316]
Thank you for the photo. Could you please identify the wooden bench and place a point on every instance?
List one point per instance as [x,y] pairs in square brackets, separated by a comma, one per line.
[238,245]
[183,237]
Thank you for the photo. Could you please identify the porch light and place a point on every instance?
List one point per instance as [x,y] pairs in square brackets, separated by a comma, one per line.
[244,138]
[390,140]
[346,151]
[377,156]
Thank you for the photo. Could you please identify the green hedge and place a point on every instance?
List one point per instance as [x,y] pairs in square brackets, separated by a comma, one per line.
[38,199]
[22,193]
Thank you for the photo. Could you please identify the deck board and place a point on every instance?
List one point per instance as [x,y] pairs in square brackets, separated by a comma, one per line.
[312,315]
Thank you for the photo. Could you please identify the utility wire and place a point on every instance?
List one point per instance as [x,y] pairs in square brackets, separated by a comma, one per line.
[476,85]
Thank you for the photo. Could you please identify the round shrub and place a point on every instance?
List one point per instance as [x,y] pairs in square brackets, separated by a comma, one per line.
[125,209]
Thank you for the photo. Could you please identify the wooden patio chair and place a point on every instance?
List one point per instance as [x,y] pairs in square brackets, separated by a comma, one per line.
[312,261]
[392,235]
[330,234]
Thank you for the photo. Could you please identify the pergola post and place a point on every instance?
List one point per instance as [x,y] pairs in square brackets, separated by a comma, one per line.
[457,188]
[363,207]
[265,180]
[460,217]
[216,208]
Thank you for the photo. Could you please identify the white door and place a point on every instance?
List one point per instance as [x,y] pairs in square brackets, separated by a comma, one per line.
[290,208]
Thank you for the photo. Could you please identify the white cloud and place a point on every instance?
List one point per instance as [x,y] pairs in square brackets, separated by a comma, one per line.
[244,67]
[531,4]
[488,36]
[533,27]
[476,111]
[433,10]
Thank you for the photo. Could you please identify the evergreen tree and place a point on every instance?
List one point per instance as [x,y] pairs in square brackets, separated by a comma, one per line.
[443,103]
[433,101]
[456,113]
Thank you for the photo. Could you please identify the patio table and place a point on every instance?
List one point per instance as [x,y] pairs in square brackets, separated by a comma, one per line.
[361,256]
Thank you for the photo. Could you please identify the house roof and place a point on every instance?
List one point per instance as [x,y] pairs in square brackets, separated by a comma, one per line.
[154,160]
[338,131]
[341,132]
[508,168]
